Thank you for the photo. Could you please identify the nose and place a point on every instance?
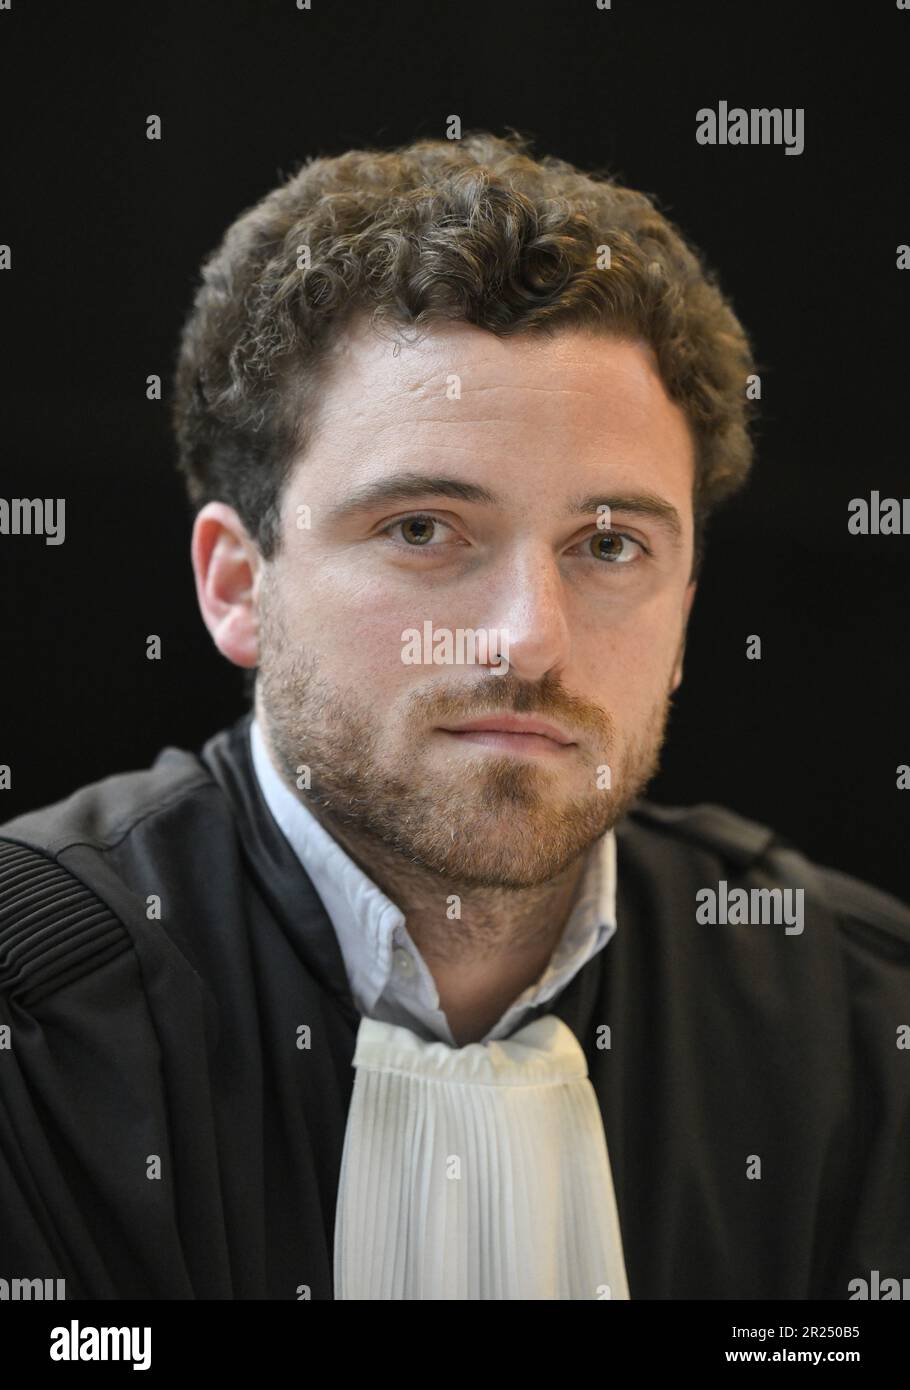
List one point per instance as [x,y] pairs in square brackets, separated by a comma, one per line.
[529,606]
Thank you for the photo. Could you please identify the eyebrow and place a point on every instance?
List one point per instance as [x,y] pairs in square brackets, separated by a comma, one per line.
[405,487]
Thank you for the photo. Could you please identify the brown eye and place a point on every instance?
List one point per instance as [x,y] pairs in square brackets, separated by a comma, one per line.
[419,532]
[608,545]
[420,529]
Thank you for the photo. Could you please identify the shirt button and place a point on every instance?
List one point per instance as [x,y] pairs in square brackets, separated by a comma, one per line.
[404,962]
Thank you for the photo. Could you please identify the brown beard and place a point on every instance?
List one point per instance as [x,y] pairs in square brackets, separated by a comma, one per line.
[494,822]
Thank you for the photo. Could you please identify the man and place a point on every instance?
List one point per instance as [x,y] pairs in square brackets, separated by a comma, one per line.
[400,989]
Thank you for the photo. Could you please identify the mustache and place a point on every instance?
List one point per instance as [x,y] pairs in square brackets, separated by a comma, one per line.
[508,694]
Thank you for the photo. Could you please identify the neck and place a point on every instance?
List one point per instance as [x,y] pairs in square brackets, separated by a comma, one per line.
[484,949]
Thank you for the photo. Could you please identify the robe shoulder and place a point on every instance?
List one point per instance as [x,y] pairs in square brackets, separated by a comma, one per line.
[83,1095]
[739,845]
[797,1052]
[76,876]
[149,999]
[88,1078]
[100,814]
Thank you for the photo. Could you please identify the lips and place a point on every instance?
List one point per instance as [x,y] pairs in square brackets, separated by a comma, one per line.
[511,725]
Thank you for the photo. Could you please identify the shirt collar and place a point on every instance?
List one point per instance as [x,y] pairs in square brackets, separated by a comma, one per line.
[365,920]
[369,926]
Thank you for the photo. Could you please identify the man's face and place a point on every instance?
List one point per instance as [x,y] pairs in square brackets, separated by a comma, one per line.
[595,618]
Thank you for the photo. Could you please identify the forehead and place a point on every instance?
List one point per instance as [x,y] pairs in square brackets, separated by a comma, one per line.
[379,366]
[473,399]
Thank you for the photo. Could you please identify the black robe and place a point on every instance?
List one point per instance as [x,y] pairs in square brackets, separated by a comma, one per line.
[133,1037]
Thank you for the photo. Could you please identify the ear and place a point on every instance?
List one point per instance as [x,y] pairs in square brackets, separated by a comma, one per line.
[227,568]
[687,608]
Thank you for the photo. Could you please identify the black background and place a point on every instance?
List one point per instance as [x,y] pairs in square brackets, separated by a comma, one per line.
[107,231]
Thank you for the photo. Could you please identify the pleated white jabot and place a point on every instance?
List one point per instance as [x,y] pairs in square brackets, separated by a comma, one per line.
[478,1172]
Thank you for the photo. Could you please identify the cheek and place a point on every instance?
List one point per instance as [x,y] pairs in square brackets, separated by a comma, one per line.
[354,629]
[631,659]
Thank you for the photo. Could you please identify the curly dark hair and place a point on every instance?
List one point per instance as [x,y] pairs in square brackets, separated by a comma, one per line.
[474,229]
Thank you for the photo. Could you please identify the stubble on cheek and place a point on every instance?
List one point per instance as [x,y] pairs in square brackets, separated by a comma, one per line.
[477,821]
